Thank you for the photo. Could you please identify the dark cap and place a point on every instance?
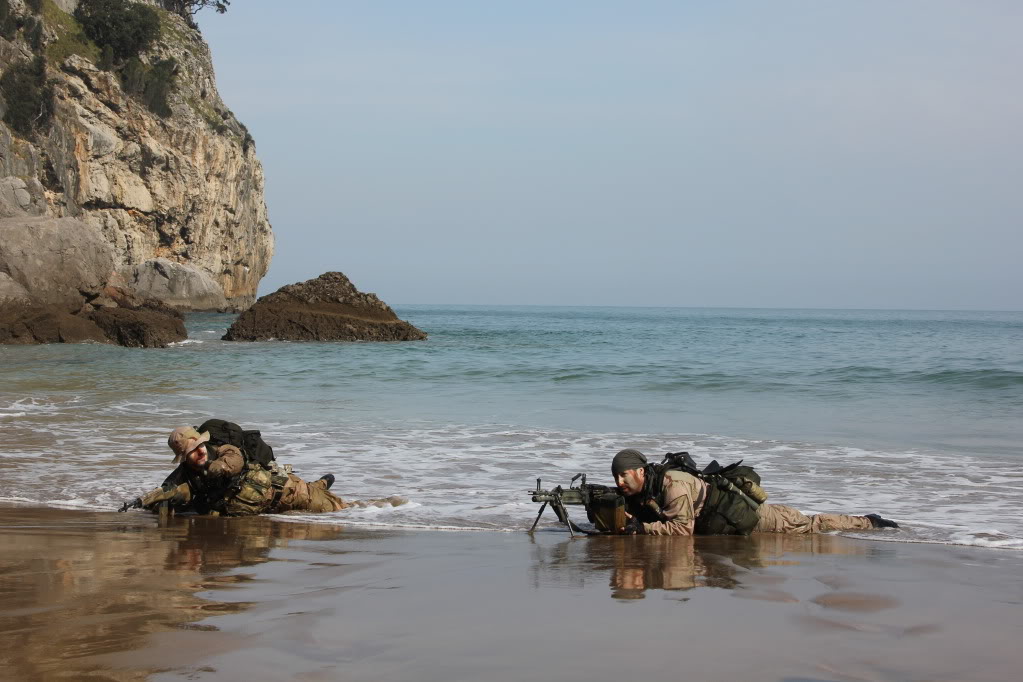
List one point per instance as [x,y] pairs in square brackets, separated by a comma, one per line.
[627,459]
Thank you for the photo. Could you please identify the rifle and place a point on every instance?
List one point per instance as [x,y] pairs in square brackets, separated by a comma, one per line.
[605,506]
[164,500]
[132,504]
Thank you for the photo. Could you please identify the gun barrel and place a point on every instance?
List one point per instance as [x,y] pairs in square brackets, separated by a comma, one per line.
[571,496]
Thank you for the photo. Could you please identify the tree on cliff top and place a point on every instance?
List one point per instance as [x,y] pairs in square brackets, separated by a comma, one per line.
[188,8]
[128,29]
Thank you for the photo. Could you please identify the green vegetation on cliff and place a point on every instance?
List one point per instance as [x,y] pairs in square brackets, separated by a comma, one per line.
[128,29]
[151,84]
[114,35]
[119,33]
[70,37]
[8,21]
[29,97]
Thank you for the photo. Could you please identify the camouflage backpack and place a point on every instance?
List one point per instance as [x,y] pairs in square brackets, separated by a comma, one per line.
[733,495]
[251,443]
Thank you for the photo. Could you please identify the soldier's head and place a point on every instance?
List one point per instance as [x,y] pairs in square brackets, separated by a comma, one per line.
[628,470]
[188,444]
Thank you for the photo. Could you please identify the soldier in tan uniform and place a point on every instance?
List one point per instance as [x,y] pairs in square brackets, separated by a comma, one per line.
[217,479]
[670,502]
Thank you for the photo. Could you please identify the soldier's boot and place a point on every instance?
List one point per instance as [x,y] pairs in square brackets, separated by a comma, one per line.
[329,478]
[878,522]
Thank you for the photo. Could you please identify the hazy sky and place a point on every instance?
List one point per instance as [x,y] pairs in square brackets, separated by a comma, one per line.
[764,154]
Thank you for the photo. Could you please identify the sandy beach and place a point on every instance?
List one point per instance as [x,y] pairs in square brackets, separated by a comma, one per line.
[107,596]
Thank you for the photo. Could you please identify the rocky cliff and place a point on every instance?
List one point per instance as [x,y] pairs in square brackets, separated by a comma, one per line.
[176,200]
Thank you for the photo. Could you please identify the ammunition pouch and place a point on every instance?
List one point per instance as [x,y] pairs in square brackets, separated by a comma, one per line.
[278,479]
[248,494]
[607,512]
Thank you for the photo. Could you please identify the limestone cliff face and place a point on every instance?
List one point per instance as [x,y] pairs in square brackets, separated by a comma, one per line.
[178,198]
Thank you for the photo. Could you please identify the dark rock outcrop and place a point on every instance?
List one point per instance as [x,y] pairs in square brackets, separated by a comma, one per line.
[22,324]
[146,327]
[328,308]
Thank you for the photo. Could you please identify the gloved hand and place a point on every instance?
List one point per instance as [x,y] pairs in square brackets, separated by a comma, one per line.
[633,527]
[134,504]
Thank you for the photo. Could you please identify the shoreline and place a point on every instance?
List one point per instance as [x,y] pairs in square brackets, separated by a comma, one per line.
[123,597]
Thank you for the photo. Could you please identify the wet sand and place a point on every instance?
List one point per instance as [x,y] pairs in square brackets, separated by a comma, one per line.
[107,596]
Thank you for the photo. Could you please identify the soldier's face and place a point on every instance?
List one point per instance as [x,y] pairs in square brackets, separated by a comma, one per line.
[196,459]
[631,481]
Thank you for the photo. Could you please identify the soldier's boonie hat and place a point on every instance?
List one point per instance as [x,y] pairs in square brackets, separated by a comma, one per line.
[626,460]
[184,439]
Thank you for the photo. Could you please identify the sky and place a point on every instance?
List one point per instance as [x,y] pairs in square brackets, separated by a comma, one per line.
[777,154]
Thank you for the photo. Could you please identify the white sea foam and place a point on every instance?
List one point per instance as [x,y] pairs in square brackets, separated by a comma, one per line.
[459,476]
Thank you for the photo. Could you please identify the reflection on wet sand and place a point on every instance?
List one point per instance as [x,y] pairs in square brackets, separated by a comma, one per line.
[636,564]
[77,585]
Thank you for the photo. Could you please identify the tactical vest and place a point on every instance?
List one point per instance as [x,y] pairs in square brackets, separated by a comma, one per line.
[733,494]
[248,492]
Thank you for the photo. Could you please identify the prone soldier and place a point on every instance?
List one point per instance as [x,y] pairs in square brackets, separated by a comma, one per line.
[220,479]
[662,500]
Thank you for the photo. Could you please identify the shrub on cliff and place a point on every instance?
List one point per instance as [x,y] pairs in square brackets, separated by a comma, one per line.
[34,34]
[152,84]
[8,22]
[128,28]
[159,83]
[29,98]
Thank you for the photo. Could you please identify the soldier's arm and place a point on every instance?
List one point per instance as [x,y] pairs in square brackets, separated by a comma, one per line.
[175,478]
[178,496]
[681,519]
[229,462]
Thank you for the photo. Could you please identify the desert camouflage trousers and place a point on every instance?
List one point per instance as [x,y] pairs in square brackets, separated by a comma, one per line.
[779,518]
[299,495]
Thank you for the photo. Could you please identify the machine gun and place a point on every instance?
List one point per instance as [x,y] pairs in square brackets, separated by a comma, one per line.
[605,506]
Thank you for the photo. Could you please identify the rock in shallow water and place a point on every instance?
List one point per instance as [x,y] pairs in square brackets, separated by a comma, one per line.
[27,324]
[328,308]
[145,326]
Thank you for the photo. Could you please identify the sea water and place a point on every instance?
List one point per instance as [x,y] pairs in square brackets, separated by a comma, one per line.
[917,415]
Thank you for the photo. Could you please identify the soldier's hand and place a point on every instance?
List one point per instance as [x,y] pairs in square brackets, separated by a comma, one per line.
[134,504]
[633,526]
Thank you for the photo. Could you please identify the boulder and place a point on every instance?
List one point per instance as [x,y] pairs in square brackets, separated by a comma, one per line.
[11,291]
[181,286]
[60,261]
[328,308]
[18,198]
[144,327]
[22,324]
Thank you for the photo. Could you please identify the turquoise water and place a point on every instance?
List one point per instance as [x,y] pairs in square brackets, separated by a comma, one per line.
[916,413]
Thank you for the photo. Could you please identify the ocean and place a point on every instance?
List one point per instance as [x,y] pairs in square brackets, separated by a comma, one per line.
[917,415]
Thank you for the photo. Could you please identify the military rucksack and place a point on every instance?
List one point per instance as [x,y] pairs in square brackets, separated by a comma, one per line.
[249,442]
[733,495]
